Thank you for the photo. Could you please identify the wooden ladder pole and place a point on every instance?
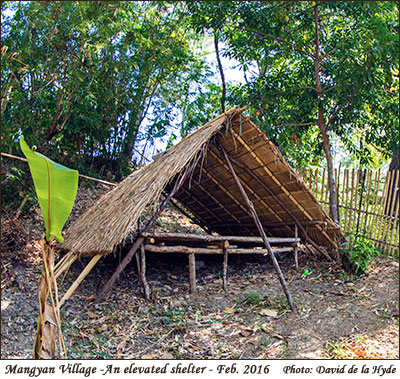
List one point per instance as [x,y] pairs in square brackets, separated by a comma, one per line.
[262,232]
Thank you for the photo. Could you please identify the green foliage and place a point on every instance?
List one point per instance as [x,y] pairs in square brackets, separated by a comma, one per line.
[56,188]
[361,253]
[93,84]
[255,298]
[16,189]
[175,317]
[275,42]
[88,81]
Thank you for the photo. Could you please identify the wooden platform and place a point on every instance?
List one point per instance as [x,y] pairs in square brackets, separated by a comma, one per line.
[192,244]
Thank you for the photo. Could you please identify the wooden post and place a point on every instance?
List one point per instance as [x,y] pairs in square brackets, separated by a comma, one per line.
[262,232]
[146,288]
[138,263]
[139,240]
[296,249]
[225,266]
[192,273]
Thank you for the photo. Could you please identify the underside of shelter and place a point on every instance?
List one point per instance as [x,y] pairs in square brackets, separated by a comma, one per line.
[206,174]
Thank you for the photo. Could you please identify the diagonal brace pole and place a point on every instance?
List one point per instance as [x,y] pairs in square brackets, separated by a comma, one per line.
[261,231]
[106,289]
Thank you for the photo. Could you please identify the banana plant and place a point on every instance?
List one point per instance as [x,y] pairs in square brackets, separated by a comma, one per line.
[56,187]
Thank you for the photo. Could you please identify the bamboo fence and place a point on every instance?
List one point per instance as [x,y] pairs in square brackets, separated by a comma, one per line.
[368,203]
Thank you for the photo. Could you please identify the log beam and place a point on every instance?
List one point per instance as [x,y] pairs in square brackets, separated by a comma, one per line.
[210,238]
[217,250]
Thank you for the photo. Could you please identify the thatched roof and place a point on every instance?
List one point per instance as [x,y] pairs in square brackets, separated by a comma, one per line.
[210,194]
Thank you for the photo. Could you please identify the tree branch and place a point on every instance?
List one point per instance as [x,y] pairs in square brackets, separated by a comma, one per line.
[342,106]
[294,125]
[294,89]
[280,40]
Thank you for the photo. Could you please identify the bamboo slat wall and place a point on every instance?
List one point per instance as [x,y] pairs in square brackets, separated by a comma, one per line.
[368,203]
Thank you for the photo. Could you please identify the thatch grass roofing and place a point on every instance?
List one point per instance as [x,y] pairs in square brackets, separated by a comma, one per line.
[210,193]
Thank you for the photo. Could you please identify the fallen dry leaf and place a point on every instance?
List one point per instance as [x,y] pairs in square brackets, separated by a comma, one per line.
[90,298]
[229,310]
[246,332]
[93,315]
[148,356]
[268,312]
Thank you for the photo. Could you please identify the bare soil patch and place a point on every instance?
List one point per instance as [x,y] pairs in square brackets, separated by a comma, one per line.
[337,319]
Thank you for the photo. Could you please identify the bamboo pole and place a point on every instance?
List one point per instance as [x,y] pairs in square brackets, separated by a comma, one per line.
[354,205]
[65,264]
[255,194]
[276,198]
[395,227]
[350,204]
[360,201]
[394,184]
[78,281]
[346,199]
[262,232]
[378,227]
[367,201]
[374,202]
[279,184]
[381,231]
[81,175]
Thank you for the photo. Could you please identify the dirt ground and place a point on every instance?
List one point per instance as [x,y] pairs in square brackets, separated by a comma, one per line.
[337,317]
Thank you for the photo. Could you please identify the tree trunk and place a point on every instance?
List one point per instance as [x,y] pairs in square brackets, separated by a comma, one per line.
[221,71]
[333,205]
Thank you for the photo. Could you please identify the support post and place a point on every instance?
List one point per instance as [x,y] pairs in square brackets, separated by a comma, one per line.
[192,273]
[104,292]
[225,266]
[296,249]
[262,232]
[146,288]
[138,263]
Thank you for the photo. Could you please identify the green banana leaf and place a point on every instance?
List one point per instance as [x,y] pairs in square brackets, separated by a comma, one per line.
[56,188]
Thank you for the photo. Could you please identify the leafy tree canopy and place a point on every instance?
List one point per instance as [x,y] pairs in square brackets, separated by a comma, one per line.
[358,68]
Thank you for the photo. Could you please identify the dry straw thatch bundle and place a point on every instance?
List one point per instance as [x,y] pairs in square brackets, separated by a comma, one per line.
[114,217]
